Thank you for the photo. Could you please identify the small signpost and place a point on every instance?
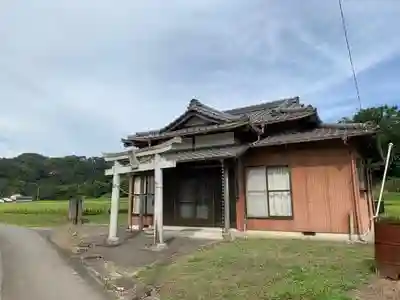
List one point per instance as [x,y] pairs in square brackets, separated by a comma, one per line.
[75,210]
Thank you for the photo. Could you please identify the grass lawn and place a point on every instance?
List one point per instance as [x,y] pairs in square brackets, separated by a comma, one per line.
[266,269]
[46,213]
[392,204]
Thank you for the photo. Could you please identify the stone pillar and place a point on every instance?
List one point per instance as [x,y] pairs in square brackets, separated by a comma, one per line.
[158,202]
[112,234]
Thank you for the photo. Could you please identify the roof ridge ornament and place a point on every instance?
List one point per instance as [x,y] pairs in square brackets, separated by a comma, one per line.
[194,102]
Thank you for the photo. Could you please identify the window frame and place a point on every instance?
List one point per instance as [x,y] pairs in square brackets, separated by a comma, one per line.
[143,194]
[269,217]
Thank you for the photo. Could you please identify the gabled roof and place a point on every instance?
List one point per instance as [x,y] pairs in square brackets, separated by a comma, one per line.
[322,132]
[196,108]
[265,113]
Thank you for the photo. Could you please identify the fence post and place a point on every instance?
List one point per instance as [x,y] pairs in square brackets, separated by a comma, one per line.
[79,214]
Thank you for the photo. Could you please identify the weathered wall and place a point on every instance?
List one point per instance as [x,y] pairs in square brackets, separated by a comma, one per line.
[322,187]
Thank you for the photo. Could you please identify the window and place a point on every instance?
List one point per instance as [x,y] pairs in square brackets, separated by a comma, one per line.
[143,188]
[268,192]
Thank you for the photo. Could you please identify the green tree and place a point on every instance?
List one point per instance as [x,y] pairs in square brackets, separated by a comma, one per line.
[388,120]
[55,178]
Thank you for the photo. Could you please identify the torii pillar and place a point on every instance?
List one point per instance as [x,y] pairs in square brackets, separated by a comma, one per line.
[113,228]
[158,201]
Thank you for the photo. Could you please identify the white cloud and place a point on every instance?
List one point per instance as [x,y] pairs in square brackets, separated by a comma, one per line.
[76,76]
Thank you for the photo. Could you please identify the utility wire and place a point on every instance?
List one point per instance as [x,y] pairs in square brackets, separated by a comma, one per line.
[349,53]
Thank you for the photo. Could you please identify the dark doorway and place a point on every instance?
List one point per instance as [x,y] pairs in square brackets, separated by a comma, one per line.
[194,195]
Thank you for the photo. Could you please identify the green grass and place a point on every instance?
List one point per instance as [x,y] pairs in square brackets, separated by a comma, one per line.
[46,213]
[392,204]
[266,269]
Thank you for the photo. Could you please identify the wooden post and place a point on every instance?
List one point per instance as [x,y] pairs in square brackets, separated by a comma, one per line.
[241,221]
[351,226]
[141,201]
[80,210]
[356,194]
[130,200]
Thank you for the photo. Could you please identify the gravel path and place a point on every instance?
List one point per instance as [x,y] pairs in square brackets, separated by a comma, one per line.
[32,269]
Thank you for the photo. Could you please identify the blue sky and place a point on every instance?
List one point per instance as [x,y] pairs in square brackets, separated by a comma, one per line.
[77,75]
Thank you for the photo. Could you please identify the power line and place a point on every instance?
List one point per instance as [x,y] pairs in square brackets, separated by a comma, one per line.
[349,53]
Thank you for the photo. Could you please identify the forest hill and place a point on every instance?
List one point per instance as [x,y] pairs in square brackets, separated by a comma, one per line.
[53,178]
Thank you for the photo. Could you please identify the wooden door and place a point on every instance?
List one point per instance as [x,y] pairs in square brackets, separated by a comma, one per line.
[197,197]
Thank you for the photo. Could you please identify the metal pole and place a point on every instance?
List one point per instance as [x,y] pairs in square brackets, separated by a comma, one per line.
[383,179]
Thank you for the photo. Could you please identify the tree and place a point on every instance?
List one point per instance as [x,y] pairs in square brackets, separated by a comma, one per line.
[56,178]
[388,120]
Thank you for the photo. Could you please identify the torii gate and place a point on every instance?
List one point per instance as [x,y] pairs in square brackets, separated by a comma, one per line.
[157,163]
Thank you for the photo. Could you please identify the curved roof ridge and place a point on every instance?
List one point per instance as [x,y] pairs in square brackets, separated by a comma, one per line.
[265,105]
[366,125]
[297,108]
[201,107]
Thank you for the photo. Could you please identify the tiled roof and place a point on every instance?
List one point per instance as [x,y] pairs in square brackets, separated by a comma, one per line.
[276,111]
[195,106]
[207,153]
[212,112]
[265,113]
[323,132]
[189,130]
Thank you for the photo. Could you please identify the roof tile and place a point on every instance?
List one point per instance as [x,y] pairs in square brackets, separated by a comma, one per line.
[324,132]
[188,131]
[207,153]
[265,113]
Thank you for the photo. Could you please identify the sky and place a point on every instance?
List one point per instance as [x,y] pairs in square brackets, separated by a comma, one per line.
[78,75]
